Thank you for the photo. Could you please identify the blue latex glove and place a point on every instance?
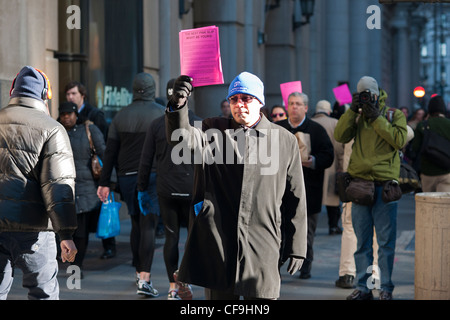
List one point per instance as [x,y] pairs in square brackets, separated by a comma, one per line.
[145,202]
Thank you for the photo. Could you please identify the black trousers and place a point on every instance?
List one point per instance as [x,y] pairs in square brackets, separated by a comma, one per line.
[142,240]
[174,214]
[312,225]
[334,214]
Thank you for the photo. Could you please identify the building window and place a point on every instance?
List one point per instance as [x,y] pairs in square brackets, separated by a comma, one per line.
[105,54]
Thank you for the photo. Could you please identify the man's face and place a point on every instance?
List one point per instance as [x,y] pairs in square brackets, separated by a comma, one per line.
[74,95]
[245,109]
[297,109]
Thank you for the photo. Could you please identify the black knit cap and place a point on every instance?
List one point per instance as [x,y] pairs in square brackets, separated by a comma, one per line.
[68,107]
[436,105]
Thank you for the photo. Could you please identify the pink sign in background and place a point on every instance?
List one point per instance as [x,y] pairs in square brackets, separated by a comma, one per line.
[200,56]
[343,94]
[289,87]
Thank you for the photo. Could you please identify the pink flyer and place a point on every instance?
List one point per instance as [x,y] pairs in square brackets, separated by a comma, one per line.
[289,87]
[343,94]
[200,56]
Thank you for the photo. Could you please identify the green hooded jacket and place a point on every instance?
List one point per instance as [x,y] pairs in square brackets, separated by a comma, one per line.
[375,153]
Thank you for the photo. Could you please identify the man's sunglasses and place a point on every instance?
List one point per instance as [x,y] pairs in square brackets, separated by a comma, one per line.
[245,99]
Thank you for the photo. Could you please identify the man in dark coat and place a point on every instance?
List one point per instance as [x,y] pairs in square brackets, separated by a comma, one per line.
[321,157]
[76,93]
[243,166]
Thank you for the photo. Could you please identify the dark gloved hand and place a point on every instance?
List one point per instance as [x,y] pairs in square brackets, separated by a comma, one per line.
[145,202]
[355,103]
[294,265]
[371,110]
[182,89]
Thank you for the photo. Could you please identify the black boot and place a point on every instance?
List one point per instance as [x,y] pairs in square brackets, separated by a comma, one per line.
[345,282]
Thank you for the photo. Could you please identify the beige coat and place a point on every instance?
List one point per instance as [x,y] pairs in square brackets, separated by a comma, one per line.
[235,237]
[330,197]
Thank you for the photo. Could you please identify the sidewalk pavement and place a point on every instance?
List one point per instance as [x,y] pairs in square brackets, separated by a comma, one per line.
[114,279]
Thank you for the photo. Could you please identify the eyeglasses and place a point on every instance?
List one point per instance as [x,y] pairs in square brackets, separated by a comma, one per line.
[274,115]
[245,99]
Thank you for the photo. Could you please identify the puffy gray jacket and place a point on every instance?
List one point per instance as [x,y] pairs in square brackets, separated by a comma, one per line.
[37,171]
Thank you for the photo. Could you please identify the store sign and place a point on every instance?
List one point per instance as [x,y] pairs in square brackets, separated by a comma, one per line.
[111,98]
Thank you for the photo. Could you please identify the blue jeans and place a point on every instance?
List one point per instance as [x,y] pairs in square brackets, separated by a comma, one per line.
[35,254]
[382,216]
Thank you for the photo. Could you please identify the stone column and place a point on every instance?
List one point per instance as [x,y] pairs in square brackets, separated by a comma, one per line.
[360,44]
[337,40]
[402,58]
[280,52]
[238,22]
[28,30]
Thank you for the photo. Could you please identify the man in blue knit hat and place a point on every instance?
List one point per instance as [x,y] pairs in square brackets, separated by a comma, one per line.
[233,247]
[37,179]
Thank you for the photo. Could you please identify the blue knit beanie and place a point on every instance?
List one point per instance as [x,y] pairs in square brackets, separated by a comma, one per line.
[247,83]
[29,83]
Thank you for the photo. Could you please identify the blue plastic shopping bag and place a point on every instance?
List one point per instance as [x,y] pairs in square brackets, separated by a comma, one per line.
[109,220]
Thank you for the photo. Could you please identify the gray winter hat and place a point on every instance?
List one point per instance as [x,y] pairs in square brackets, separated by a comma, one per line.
[368,83]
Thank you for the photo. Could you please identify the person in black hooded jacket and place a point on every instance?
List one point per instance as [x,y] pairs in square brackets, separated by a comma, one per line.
[123,151]
[174,185]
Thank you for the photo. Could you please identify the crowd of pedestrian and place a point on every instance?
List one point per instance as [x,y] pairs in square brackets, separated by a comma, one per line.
[246,216]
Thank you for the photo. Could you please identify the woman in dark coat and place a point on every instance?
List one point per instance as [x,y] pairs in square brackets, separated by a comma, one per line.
[86,200]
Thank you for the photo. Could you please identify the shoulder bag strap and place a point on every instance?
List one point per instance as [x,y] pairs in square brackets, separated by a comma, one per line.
[88,132]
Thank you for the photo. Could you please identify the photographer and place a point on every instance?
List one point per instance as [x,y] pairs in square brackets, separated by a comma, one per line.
[374,167]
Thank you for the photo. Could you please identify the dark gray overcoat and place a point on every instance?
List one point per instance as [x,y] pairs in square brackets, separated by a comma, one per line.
[240,179]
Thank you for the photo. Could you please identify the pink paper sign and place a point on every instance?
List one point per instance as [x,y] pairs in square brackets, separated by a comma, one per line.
[200,56]
[289,87]
[343,94]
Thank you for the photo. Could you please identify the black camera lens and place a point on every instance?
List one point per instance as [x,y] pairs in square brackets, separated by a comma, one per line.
[365,97]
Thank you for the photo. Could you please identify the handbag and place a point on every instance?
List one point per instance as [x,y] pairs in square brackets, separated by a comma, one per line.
[436,148]
[343,180]
[96,162]
[391,191]
[361,192]
[409,179]
[109,221]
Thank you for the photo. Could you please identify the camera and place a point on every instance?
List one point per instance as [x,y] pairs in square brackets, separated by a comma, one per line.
[366,97]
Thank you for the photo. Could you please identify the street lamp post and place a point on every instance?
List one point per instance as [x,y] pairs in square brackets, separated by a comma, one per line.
[307,7]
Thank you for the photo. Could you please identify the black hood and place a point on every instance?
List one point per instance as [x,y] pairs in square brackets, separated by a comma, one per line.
[144,87]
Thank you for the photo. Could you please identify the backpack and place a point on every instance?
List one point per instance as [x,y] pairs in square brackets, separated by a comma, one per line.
[436,148]
[408,180]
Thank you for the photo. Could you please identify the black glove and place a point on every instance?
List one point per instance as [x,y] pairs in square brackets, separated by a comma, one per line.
[294,265]
[355,103]
[371,110]
[182,89]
